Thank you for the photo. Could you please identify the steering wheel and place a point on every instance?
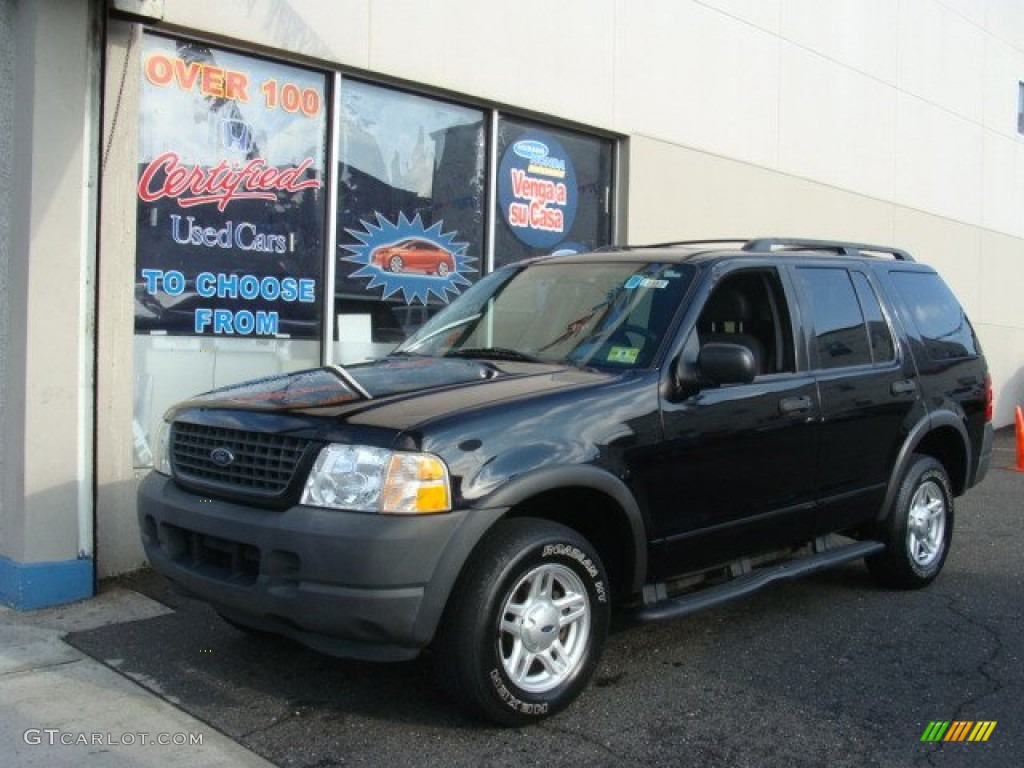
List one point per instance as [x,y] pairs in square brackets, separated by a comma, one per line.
[623,331]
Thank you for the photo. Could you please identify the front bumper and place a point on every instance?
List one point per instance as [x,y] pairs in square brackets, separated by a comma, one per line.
[358,585]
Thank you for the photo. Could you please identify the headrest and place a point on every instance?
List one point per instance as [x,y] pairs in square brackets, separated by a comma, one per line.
[727,305]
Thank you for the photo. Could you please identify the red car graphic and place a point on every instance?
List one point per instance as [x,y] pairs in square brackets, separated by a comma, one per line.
[414,255]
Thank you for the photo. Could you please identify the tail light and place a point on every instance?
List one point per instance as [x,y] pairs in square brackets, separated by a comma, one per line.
[989,398]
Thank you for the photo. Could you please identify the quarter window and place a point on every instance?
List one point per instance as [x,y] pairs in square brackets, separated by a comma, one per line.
[939,318]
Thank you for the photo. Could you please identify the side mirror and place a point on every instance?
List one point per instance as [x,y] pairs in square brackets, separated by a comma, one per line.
[721,363]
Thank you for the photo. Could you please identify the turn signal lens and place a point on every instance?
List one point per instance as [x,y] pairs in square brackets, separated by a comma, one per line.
[416,483]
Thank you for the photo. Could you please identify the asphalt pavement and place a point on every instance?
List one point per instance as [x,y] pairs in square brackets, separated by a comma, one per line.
[829,670]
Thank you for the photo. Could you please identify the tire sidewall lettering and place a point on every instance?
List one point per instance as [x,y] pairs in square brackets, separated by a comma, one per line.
[513,702]
[571,552]
[583,565]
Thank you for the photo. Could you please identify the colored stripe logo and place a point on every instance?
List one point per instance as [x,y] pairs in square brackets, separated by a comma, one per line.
[958,730]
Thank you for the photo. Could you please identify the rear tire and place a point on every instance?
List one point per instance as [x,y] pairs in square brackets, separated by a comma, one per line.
[918,528]
[525,624]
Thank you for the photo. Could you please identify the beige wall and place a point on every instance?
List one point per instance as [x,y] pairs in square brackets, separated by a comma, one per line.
[46,479]
[119,547]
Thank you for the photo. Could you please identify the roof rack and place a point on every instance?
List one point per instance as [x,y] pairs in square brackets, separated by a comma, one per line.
[673,243]
[839,247]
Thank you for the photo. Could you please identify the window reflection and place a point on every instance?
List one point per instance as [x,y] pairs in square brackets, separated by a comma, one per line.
[411,170]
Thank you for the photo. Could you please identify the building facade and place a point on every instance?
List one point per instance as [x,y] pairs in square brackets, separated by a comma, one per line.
[193,193]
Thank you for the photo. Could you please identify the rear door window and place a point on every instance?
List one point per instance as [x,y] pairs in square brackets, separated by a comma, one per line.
[840,333]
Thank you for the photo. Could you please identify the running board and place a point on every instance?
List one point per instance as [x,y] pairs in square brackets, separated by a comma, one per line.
[751,582]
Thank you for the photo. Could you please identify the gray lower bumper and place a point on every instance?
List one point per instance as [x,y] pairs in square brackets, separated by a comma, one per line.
[985,455]
[350,584]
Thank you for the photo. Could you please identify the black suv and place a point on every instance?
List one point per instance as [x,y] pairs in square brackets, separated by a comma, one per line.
[656,428]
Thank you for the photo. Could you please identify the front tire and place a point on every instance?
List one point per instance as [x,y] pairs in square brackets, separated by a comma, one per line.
[525,624]
[918,528]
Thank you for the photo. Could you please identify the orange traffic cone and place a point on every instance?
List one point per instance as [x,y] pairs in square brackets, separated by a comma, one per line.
[1020,439]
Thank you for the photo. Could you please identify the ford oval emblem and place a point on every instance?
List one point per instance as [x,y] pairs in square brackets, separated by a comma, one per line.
[222,457]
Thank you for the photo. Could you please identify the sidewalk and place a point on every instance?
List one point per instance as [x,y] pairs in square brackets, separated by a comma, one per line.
[59,707]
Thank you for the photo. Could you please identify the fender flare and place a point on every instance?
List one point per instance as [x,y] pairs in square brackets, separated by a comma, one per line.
[553,478]
[933,421]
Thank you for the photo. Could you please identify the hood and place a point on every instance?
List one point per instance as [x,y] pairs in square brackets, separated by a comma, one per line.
[431,386]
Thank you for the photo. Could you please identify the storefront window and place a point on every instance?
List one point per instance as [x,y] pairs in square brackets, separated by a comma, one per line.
[554,191]
[411,202]
[231,212]
[231,244]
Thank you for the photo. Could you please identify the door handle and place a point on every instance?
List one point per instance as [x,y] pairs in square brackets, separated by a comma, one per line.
[795,404]
[904,387]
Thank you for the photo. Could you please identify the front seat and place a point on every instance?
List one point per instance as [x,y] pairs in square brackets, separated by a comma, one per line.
[725,319]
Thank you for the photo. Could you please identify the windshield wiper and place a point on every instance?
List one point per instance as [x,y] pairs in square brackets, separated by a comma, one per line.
[493,353]
[438,331]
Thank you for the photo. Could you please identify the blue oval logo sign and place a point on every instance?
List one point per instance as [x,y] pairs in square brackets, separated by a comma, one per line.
[222,457]
[537,190]
[531,149]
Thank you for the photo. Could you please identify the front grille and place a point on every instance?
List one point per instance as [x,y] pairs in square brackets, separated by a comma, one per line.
[260,463]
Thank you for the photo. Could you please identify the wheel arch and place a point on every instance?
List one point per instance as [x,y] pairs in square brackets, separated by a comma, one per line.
[595,504]
[942,436]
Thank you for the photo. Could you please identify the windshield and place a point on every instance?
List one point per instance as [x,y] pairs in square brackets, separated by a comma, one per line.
[600,314]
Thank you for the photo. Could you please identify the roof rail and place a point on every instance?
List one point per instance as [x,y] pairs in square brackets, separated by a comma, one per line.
[840,247]
[673,243]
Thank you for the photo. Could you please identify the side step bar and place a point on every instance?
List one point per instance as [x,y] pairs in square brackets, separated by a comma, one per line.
[755,580]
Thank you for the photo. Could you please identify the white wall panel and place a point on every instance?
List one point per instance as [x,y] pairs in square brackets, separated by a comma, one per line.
[938,160]
[690,75]
[550,57]
[335,31]
[1002,283]
[1005,20]
[861,34]
[677,192]
[765,14]
[975,11]
[1004,71]
[941,57]
[836,125]
[1003,190]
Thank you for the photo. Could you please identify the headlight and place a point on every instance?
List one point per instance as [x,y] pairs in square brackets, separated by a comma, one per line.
[162,449]
[367,479]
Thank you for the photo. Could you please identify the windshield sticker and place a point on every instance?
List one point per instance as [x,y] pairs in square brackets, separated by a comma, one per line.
[639,281]
[626,355]
[409,259]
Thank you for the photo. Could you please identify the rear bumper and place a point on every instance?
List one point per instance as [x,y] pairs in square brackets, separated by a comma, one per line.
[350,584]
[985,454]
